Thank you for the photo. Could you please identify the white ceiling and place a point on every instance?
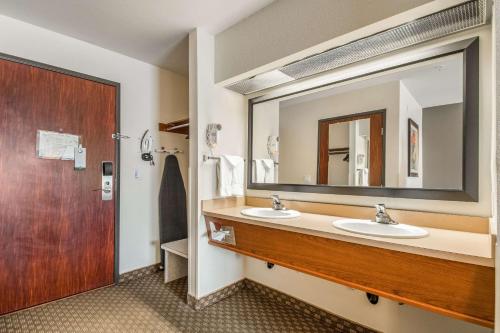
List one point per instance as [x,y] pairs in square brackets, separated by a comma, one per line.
[154,31]
[440,83]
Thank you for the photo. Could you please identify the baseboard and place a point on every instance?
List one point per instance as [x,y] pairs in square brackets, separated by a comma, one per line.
[340,324]
[216,296]
[336,322]
[139,273]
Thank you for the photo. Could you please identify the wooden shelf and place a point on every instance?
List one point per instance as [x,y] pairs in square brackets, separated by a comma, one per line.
[179,126]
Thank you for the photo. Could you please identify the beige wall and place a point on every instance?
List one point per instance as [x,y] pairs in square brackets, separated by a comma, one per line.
[442,146]
[289,26]
[408,109]
[210,268]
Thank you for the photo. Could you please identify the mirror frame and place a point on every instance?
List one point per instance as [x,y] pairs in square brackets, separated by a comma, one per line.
[470,156]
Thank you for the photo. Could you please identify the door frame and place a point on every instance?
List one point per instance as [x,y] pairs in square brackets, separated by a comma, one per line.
[116,85]
[345,118]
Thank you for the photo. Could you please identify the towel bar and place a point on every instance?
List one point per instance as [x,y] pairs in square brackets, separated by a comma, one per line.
[208,157]
[217,158]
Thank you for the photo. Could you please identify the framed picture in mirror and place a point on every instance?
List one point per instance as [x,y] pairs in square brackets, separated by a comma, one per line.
[413,148]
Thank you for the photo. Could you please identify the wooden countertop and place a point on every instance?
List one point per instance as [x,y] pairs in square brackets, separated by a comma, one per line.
[468,247]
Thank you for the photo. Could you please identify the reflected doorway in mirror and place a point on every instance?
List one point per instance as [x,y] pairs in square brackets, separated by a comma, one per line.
[351,150]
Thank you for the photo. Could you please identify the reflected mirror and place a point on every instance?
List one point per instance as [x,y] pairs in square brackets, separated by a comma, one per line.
[398,129]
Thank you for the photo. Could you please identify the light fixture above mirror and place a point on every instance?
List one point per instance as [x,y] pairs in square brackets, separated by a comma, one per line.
[464,16]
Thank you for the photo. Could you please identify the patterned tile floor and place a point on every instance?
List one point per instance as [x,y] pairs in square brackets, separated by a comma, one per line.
[149,305]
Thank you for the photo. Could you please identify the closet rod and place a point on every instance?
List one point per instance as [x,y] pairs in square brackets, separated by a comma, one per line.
[178,126]
[216,158]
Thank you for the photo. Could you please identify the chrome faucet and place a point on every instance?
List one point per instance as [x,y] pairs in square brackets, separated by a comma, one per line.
[382,217]
[277,205]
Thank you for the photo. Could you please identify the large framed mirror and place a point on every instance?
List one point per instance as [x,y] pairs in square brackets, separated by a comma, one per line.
[407,131]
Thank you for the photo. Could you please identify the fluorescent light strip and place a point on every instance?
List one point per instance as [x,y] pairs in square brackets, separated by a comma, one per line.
[465,16]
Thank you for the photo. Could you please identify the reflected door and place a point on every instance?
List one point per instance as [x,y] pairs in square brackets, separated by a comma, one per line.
[351,150]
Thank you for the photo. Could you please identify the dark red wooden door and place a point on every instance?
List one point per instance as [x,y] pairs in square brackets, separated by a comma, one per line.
[56,234]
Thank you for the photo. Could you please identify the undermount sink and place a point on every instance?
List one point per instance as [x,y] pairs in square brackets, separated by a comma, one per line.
[370,228]
[269,213]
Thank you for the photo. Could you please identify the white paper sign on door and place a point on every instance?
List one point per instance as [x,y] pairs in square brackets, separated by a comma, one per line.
[56,146]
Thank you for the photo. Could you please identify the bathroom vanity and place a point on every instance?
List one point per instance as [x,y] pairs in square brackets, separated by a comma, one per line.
[449,272]
[403,126]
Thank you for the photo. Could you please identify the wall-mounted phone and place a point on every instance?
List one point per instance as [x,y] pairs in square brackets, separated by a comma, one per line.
[107,180]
